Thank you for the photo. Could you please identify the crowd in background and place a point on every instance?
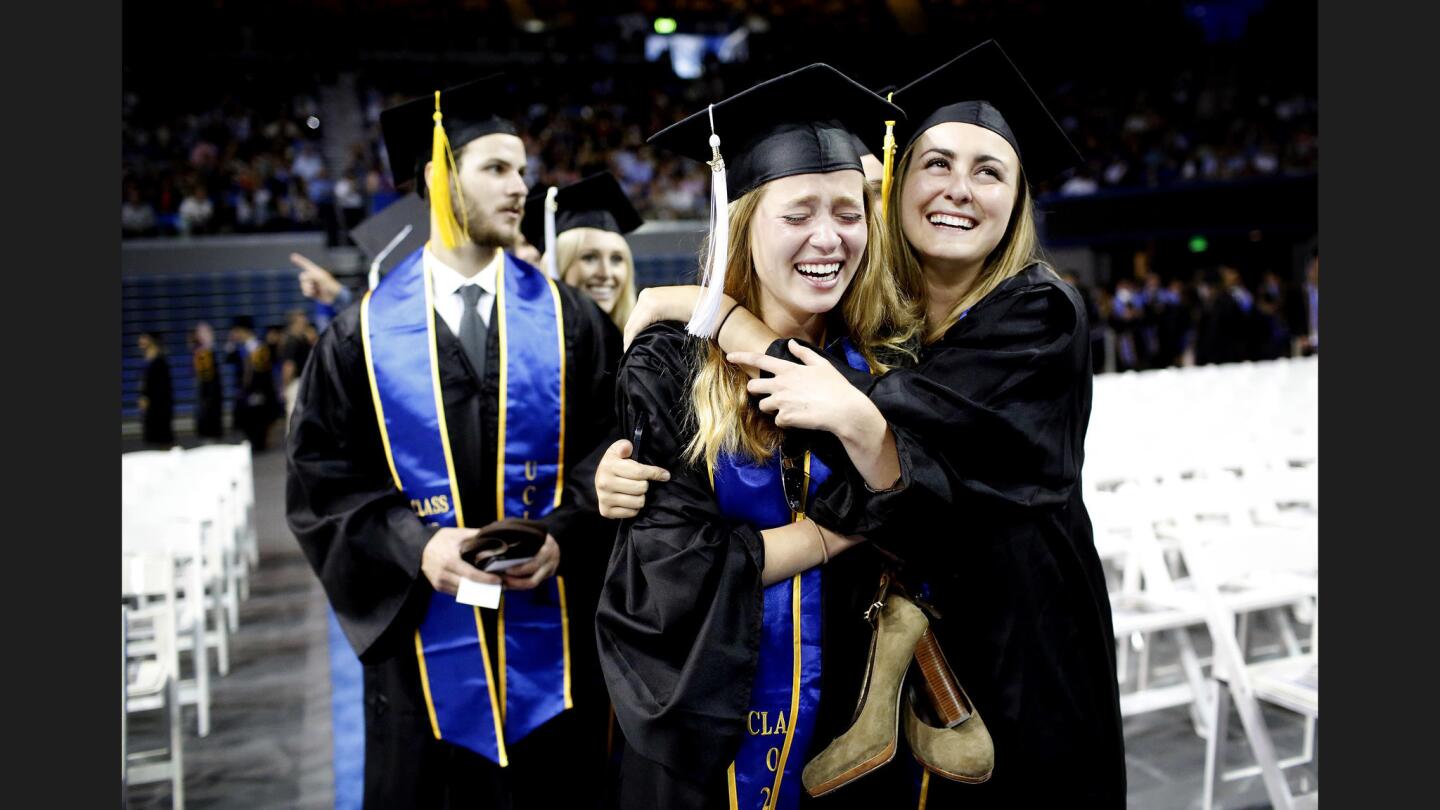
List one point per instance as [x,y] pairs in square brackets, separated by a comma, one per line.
[1155,96]
[1213,317]
[1185,101]
[262,367]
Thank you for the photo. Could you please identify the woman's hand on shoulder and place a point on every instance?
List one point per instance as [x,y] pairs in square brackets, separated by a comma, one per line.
[655,304]
[810,394]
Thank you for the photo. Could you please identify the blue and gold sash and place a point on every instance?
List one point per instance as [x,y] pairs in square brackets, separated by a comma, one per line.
[466,706]
[786,693]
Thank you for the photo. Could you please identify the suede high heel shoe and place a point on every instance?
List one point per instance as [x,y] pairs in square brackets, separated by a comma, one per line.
[872,738]
[951,740]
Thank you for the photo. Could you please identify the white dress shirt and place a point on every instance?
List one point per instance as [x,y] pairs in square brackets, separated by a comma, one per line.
[446,282]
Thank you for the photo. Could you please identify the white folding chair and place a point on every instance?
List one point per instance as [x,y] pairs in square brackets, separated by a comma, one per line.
[173,486]
[230,467]
[1291,682]
[152,681]
[208,490]
[159,533]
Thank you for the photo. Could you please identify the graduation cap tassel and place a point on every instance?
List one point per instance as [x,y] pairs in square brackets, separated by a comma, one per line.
[889,173]
[551,195]
[442,168]
[707,309]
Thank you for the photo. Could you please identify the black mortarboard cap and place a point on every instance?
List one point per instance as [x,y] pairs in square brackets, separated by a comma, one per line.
[983,87]
[798,123]
[598,201]
[861,148]
[468,111]
[383,235]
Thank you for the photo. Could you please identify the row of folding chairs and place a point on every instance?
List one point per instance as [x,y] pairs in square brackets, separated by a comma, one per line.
[188,548]
[1207,523]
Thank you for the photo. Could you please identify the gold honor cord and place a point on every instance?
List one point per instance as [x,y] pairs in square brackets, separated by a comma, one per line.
[797,622]
[924,789]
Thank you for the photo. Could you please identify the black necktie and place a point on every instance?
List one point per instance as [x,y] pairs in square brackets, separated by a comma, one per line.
[473,333]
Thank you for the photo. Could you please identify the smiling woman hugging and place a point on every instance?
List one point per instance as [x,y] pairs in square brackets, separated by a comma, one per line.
[713,622]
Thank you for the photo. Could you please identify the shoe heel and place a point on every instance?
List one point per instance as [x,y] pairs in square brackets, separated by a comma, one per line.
[941,687]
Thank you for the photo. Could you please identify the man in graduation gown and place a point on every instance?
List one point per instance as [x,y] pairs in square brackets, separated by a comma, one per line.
[157,396]
[499,380]
[256,402]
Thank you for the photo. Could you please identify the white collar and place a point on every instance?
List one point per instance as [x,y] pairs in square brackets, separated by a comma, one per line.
[446,280]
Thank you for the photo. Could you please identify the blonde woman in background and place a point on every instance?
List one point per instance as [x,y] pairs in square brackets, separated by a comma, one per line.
[590,253]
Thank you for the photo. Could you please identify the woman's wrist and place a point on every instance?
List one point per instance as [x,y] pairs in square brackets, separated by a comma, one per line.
[728,305]
[868,441]
[861,426]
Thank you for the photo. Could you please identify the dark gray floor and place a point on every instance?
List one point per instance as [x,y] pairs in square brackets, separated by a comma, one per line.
[269,746]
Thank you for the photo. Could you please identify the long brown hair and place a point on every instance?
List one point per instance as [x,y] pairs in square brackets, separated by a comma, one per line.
[1018,249]
[881,323]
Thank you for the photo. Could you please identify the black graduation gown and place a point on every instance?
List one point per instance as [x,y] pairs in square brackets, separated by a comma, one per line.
[209,399]
[365,543]
[160,402]
[680,615]
[256,403]
[990,427]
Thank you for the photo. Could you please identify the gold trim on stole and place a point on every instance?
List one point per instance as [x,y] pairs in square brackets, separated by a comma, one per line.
[560,459]
[375,388]
[425,684]
[565,638]
[490,684]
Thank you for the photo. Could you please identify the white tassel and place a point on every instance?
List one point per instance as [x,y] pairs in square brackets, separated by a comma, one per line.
[380,257]
[550,208]
[707,309]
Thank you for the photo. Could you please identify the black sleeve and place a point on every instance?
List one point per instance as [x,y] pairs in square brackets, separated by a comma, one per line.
[593,351]
[357,530]
[163,391]
[990,415]
[678,625]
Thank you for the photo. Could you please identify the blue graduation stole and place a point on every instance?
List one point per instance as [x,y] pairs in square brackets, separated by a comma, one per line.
[397,322]
[786,692]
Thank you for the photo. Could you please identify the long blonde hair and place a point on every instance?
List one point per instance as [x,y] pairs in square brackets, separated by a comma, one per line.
[881,322]
[1018,249]
[568,247]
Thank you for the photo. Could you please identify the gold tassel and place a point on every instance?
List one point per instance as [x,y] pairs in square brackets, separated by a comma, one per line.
[442,168]
[889,173]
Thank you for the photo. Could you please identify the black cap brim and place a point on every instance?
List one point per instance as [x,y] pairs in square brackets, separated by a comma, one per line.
[798,123]
[376,233]
[468,111]
[597,201]
[984,73]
